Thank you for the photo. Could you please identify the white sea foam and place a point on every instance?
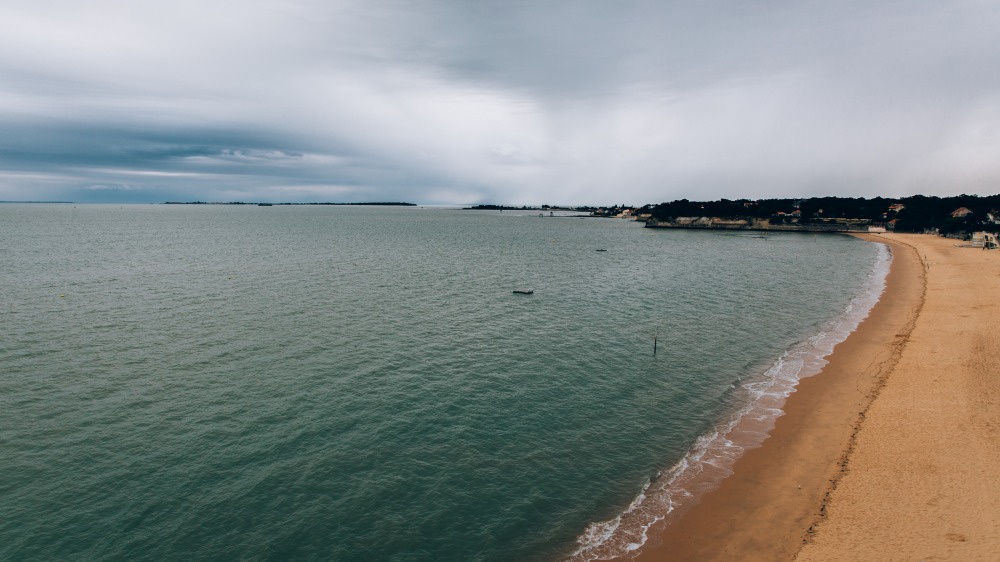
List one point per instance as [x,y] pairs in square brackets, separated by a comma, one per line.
[713,454]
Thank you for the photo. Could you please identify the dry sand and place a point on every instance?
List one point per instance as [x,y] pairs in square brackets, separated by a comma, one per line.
[923,481]
[893,451]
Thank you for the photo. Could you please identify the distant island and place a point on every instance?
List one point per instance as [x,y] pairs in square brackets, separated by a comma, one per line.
[491,207]
[377,203]
[35,202]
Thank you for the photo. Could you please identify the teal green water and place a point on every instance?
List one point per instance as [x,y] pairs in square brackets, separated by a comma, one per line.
[338,383]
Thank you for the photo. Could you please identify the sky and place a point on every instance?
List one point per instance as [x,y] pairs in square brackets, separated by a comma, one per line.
[520,102]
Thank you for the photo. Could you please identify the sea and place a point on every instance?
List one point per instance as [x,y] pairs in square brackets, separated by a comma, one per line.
[235,382]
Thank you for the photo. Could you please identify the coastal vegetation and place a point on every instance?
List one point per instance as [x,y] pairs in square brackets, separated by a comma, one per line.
[918,213]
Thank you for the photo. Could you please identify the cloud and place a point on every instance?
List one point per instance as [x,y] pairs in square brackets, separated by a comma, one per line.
[515,102]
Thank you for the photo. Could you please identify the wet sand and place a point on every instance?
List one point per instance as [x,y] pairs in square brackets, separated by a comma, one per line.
[891,453]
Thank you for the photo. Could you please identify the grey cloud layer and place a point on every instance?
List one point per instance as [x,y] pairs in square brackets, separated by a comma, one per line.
[521,102]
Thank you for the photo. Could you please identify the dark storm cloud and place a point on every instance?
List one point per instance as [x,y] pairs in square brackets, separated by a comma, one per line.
[520,102]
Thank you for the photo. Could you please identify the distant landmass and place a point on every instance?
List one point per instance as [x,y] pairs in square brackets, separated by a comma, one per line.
[917,213]
[953,215]
[381,203]
[493,207]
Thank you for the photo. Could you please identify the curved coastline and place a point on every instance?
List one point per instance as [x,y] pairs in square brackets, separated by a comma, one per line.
[776,493]
[920,480]
[761,399]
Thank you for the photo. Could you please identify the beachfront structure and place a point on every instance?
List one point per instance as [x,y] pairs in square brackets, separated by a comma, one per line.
[983,240]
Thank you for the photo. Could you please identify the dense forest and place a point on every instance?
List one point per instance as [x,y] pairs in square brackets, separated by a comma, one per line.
[910,214]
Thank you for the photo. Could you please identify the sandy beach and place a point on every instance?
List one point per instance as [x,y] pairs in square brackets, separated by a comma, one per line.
[891,452]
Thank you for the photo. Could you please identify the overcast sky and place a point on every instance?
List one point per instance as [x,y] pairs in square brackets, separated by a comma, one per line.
[570,102]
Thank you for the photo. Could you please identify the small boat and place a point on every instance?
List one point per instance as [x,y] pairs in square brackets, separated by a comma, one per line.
[600,250]
[523,291]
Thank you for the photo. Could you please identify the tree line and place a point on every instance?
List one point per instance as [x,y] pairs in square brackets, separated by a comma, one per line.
[915,213]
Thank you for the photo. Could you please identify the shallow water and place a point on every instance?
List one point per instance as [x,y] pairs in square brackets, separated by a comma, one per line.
[360,383]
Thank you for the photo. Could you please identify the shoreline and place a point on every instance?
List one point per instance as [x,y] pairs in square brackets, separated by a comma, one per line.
[758,401]
[922,481]
[763,226]
[777,493]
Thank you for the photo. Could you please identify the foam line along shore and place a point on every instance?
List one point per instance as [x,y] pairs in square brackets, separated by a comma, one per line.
[765,509]
[757,399]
